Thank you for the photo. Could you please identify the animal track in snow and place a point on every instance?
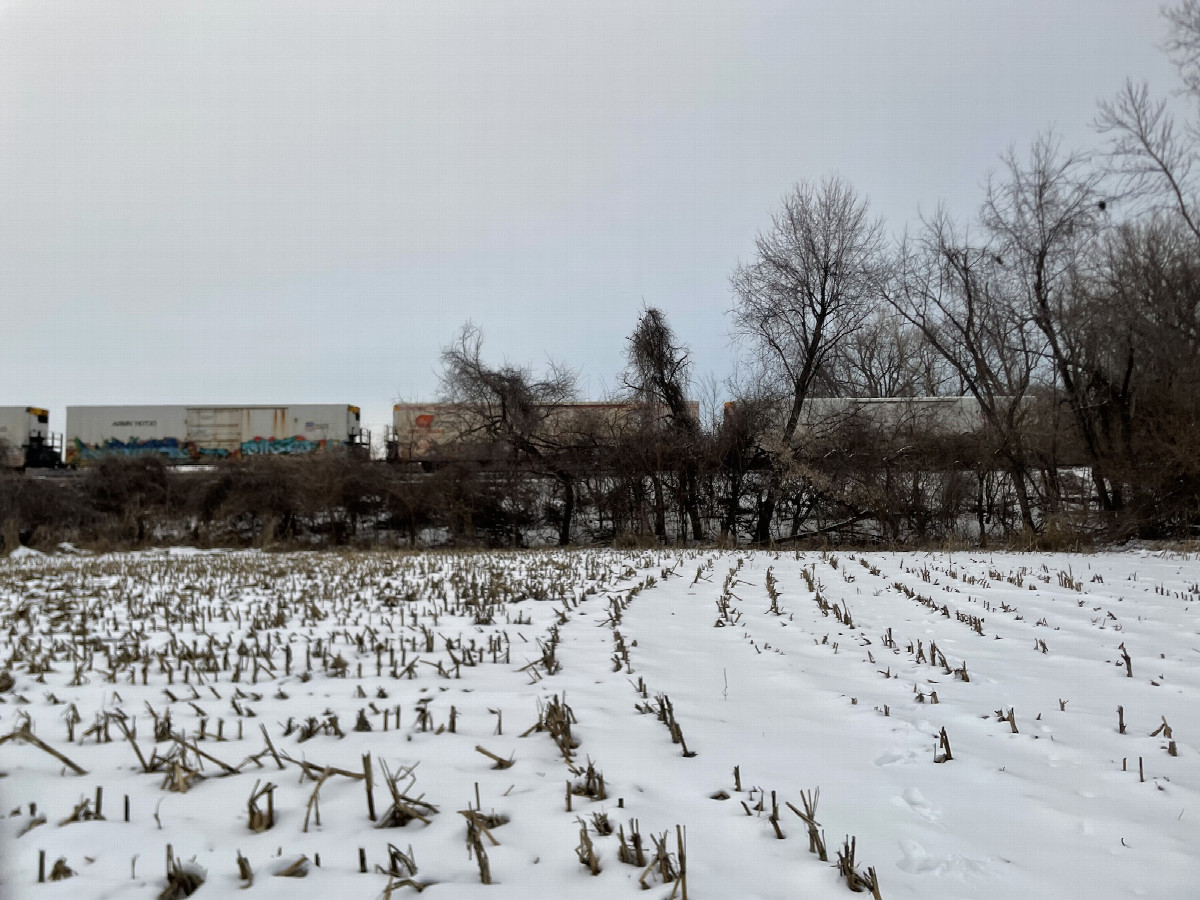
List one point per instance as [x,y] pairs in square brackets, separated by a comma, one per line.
[896,757]
[913,799]
[917,861]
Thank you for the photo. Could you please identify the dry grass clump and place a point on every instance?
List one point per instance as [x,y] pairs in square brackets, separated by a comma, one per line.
[855,880]
[629,849]
[259,820]
[183,879]
[666,715]
[61,870]
[298,868]
[401,871]
[82,812]
[244,871]
[404,808]
[475,848]
[479,826]
[816,837]
[664,865]
[556,717]
[1165,730]
[585,850]
[590,782]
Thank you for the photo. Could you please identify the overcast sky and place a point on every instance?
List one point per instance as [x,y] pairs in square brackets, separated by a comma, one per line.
[302,202]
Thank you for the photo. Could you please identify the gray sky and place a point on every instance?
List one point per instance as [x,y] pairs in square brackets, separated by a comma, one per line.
[236,202]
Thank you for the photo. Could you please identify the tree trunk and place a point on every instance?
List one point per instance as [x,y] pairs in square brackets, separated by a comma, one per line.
[564,527]
[691,490]
[1016,471]
[660,509]
[766,514]
[729,525]
[980,510]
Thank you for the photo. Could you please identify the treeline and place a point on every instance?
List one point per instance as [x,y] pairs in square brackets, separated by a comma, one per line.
[642,485]
[651,478]
[1066,313]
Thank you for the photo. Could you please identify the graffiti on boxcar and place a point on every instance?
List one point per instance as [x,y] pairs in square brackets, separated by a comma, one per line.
[280,446]
[169,448]
[174,450]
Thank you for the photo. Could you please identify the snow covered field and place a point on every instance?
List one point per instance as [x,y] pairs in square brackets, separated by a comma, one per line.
[682,696]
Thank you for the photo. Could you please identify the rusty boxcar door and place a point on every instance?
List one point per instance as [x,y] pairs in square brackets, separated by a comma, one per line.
[268,423]
[215,428]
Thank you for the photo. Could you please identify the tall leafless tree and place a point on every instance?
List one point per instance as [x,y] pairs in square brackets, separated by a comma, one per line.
[658,375]
[509,408]
[1044,222]
[955,291]
[818,271]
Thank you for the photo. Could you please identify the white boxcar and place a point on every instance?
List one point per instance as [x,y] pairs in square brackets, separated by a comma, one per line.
[20,428]
[912,415]
[204,433]
[438,432]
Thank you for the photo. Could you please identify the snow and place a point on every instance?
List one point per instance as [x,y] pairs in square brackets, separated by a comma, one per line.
[785,689]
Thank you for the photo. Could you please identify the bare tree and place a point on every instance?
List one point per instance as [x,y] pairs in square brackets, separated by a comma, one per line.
[886,357]
[510,408]
[504,402]
[956,292]
[1044,220]
[1152,153]
[1141,342]
[1153,156]
[658,374]
[819,269]
[739,454]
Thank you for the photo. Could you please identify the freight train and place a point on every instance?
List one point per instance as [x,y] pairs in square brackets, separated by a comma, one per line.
[26,441]
[424,435]
[179,434]
[430,434]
